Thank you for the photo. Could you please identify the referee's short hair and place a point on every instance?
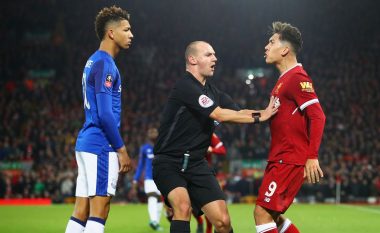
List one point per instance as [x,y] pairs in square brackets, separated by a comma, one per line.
[191,49]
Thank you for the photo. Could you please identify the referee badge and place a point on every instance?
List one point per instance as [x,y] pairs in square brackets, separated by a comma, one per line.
[205,101]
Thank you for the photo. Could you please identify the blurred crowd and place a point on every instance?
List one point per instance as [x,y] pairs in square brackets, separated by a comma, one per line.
[47,44]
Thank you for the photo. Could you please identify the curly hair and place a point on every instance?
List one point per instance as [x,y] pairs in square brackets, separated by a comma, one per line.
[288,33]
[106,16]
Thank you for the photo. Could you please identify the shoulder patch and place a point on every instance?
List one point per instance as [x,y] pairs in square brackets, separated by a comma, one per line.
[307,86]
[205,101]
[108,82]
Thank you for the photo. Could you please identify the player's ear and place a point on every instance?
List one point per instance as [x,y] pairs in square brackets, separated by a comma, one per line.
[110,34]
[285,51]
[192,60]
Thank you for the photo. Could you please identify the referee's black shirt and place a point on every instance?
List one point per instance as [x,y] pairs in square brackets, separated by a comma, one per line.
[185,124]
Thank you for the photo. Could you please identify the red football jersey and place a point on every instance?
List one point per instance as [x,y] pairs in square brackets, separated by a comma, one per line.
[217,148]
[289,127]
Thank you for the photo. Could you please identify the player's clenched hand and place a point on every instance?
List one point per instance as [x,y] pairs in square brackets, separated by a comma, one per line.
[124,160]
[271,109]
[312,171]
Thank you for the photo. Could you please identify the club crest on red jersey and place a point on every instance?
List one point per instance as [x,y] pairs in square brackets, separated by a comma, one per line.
[278,88]
[108,82]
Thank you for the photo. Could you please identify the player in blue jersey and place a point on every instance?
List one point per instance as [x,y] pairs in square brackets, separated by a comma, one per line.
[100,151]
[153,194]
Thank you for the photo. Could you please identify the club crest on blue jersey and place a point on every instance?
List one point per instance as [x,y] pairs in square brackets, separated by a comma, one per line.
[108,82]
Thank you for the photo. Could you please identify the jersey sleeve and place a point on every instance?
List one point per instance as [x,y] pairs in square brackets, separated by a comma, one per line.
[107,120]
[194,98]
[104,80]
[105,77]
[227,102]
[317,119]
[301,90]
[217,145]
[303,93]
[140,165]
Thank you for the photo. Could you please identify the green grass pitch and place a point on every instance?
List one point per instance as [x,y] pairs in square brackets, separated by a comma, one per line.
[132,218]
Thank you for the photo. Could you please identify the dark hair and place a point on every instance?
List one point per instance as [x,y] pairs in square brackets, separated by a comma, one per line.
[106,16]
[288,33]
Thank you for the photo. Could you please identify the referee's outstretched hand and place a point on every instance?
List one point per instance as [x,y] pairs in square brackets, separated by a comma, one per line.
[124,160]
[271,109]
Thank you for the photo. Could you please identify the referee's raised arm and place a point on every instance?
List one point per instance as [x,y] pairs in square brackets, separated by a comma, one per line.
[244,116]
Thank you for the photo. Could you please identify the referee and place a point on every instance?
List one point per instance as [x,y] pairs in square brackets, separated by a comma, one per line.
[180,170]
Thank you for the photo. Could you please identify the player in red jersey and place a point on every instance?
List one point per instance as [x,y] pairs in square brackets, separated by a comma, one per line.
[216,148]
[296,133]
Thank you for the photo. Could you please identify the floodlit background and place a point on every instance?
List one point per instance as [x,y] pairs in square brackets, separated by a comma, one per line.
[45,43]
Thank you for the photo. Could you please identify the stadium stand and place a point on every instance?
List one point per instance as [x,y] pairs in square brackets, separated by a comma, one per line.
[47,41]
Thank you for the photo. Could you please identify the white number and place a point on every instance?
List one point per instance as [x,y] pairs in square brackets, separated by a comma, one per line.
[272,187]
[86,104]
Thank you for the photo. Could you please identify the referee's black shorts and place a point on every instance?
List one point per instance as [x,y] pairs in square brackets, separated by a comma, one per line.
[199,180]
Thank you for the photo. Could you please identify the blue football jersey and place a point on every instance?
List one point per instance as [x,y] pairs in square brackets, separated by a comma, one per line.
[100,75]
[145,162]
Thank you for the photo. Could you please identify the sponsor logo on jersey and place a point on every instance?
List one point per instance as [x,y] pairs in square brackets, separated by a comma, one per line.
[89,64]
[108,82]
[277,103]
[307,86]
[205,101]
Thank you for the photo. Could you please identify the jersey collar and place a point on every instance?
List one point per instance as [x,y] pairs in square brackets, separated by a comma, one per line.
[286,71]
[189,75]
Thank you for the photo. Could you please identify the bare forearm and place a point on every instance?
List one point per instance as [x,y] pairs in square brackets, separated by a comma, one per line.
[227,115]
[250,111]
[245,115]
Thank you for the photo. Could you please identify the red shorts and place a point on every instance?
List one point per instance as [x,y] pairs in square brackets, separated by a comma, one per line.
[280,185]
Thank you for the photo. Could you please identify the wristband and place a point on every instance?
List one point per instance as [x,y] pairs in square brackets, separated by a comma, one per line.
[257,119]
[256,116]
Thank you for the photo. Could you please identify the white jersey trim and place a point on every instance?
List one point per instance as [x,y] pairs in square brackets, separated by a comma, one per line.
[285,225]
[266,227]
[219,145]
[304,105]
[286,71]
